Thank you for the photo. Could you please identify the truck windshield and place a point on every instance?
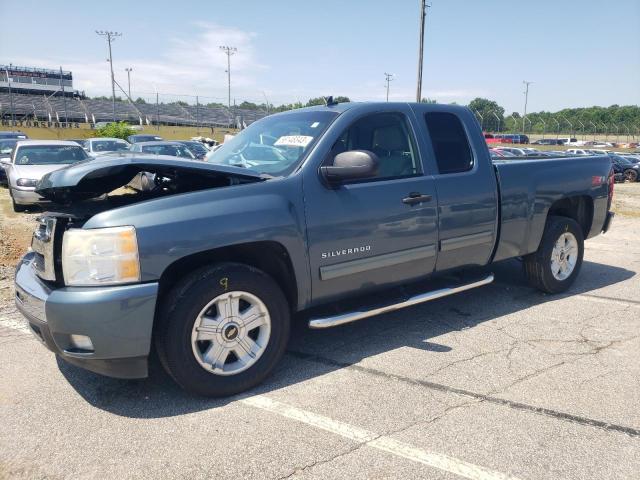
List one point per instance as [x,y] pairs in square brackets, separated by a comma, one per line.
[274,145]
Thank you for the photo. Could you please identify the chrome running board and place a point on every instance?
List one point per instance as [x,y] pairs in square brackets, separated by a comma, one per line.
[341,319]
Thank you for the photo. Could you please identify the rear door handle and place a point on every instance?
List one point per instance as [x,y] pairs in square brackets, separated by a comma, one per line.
[415,198]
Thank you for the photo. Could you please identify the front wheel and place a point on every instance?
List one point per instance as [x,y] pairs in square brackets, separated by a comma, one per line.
[222,329]
[631,175]
[555,265]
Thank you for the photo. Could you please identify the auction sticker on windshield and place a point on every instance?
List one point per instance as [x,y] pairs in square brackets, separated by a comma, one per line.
[294,140]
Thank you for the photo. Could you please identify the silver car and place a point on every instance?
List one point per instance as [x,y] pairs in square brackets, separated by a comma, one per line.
[101,145]
[30,161]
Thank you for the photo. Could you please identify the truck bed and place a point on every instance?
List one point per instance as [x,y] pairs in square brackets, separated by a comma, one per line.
[530,187]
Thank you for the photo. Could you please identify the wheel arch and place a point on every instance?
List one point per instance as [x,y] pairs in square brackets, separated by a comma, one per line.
[269,256]
[578,208]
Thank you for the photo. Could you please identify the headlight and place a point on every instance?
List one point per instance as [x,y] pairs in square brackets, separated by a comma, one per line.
[27,182]
[101,256]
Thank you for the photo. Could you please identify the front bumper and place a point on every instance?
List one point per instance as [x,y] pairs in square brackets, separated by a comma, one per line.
[26,197]
[118,320]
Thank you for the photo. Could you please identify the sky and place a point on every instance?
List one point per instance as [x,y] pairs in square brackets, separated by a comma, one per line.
[576,53]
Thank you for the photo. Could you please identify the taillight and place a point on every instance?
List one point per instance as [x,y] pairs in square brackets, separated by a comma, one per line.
[612,177]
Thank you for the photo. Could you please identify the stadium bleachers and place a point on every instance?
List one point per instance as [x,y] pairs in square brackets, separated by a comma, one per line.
[46,107]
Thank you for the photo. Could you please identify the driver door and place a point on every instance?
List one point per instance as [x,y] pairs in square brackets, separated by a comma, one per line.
[371,233]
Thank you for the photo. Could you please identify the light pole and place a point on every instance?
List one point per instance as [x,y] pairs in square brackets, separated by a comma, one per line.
[13,112]
[111,37]
[570,125]
[423,15]
[544,127]
[582,128]
[388,77]
[557,127]
[526,99]
[267,100]
[228,51]
[497,118]
[129,70]
[481,119]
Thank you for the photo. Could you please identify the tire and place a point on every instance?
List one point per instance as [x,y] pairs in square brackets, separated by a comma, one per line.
[538,265]
[631,175]
[181,323]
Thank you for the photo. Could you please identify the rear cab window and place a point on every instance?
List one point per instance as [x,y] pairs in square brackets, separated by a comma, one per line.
[450,142]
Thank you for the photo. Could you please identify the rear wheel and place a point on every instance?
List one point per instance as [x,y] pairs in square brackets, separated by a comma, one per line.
[555,265]
[631,175]
[222,329]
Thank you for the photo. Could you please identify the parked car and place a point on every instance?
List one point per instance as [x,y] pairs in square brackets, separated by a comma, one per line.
[213,263]
[30,160]
[13,134]
[579,151]
[197,148]
[500,153]
[514,138]
[618,172]
[518,152]
[174,149]
[630,169]
[143,138]
[102,145]
[79,141]
[6,148]
[548,141]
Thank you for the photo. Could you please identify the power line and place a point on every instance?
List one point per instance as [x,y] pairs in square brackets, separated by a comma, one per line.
[423,14]
[111,37]
[388,78]
[228,51]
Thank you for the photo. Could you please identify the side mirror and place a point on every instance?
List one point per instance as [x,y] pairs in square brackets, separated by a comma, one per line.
[5,161]
[351,165]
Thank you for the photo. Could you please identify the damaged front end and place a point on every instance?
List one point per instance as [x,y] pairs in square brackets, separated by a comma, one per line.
[112,181]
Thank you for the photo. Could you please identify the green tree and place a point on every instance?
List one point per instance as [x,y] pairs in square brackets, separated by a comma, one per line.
[484,110]
[321,100]
[140,100]
[115,130]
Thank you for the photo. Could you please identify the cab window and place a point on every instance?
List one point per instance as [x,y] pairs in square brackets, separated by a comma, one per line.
[389,137]
[450,142]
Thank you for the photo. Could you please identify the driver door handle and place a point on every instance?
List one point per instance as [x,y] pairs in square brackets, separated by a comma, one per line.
[415,198]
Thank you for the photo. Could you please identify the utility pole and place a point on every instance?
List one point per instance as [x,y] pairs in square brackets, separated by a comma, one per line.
[526,99]
[228,51]
[129,70]
[111,37]
[388,77]
[423,15]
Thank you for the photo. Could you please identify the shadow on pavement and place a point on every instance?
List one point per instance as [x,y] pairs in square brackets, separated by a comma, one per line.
[158,396]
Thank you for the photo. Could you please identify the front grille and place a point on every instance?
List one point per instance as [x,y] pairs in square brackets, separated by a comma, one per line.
[42,243]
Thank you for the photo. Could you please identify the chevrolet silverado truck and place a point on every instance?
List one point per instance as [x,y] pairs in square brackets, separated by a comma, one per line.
[329,214]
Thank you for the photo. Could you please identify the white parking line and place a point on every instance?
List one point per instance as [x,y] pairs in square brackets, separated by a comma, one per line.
[381,442]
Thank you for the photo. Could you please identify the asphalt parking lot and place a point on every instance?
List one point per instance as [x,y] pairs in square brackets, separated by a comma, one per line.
[498,382]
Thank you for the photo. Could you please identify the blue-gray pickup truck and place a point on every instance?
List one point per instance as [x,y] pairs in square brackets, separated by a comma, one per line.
[330,214]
